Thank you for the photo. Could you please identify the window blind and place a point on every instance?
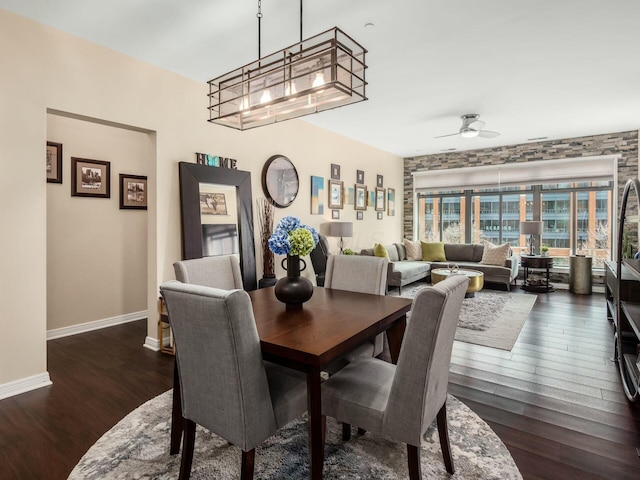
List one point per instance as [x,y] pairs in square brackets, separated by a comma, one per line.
[583,169]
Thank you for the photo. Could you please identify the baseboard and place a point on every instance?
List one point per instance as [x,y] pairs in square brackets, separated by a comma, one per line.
[24,385]
[152,344]
[95,325]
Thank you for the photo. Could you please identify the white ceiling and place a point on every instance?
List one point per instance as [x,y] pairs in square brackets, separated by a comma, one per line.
[544,68]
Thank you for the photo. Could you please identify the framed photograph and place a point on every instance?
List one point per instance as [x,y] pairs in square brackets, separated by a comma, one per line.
[335,171]
[213,204]
[133,192]
[379,181]
[361,197]
[336,194]
[90,178]
[359,215]
[54,162]
[335,214]
[380,200]
[391,202]
[359,176]
[379,215]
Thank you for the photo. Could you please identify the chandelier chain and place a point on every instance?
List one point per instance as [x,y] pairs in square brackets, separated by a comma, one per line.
[259,15]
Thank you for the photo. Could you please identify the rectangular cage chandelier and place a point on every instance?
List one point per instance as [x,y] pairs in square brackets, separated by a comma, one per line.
[320,73]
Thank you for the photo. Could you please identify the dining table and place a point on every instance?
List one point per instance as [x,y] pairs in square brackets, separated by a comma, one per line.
[329,325]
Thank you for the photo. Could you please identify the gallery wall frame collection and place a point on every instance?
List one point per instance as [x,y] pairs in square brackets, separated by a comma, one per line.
[92,178]
[133,192]
[54,162]
[382,200]
[336,194]
[335,171]
[391,202]
[360,202]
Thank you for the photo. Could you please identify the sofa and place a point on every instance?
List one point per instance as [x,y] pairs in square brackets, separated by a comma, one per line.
[466,255]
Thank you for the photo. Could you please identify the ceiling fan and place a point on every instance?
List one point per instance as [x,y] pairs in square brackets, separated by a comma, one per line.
[472,127]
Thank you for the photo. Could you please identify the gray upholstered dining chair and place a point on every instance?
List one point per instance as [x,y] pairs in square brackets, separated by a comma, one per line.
[318,258]
[218,272]
[401,401]
[357,273]
[226,385]
[221,271]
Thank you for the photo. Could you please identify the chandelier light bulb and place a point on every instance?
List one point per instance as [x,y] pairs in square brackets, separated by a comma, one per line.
[290,90]
[319,80]
[266,97]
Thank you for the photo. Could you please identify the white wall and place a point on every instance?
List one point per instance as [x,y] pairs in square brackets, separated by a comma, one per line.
[47,69]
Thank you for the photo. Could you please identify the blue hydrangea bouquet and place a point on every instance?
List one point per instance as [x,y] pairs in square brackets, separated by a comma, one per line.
[291,237]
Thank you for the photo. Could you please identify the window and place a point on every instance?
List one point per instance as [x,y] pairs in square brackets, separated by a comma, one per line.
[576,218]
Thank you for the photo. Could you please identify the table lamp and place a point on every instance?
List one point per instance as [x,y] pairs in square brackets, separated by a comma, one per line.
[531,228]
[341,229]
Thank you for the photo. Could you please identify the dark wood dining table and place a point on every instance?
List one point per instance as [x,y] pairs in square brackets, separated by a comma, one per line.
[330,324]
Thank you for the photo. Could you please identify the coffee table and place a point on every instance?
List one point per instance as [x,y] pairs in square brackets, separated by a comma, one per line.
[476,278]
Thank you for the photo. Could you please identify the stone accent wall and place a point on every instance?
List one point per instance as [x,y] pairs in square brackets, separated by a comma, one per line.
[623,143]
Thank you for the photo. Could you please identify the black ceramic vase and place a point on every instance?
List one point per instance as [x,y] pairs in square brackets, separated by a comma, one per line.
[293,290]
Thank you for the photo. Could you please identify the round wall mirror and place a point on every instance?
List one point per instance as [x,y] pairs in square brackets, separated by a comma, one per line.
[280,181]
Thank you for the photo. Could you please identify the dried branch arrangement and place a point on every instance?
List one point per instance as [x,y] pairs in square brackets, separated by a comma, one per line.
[265,219]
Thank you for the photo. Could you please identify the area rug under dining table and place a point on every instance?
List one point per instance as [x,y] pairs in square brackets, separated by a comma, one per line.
[491,318]
[138,447]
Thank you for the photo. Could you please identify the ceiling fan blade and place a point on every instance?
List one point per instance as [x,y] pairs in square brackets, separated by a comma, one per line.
[449,135]
[488,134]
[477,125]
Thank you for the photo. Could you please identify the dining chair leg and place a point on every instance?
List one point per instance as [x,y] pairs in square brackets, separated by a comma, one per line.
[413,459]
[248,459]
[443,432]
[346,431]
[176,412]
[187,449]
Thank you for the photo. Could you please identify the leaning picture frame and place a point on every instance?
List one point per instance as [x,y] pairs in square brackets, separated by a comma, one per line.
[213,204]
[360,202]
[336,194]
[133,192]
[90,178]
[54,162]
[391,202]
[380,200]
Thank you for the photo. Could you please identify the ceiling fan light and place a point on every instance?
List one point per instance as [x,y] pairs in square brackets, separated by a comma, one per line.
[468,133]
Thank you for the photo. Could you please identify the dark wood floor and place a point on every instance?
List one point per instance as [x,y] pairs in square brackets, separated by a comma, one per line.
[555,400]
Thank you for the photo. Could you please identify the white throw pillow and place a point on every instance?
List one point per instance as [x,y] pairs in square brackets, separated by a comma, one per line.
[495,254]
[414,250]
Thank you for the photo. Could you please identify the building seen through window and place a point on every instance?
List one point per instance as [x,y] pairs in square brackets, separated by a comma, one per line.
[576,218]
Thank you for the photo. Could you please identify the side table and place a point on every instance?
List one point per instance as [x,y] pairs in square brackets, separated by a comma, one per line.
[532,262]
[164,329]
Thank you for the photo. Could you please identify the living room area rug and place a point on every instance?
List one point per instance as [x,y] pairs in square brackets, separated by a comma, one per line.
[138,447]
[491,318]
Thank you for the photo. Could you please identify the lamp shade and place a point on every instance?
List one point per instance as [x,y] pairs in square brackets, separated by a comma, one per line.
[341,229]
[531,228]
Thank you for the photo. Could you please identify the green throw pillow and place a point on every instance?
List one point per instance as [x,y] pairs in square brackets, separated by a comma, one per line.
[380,251]
[433,252]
